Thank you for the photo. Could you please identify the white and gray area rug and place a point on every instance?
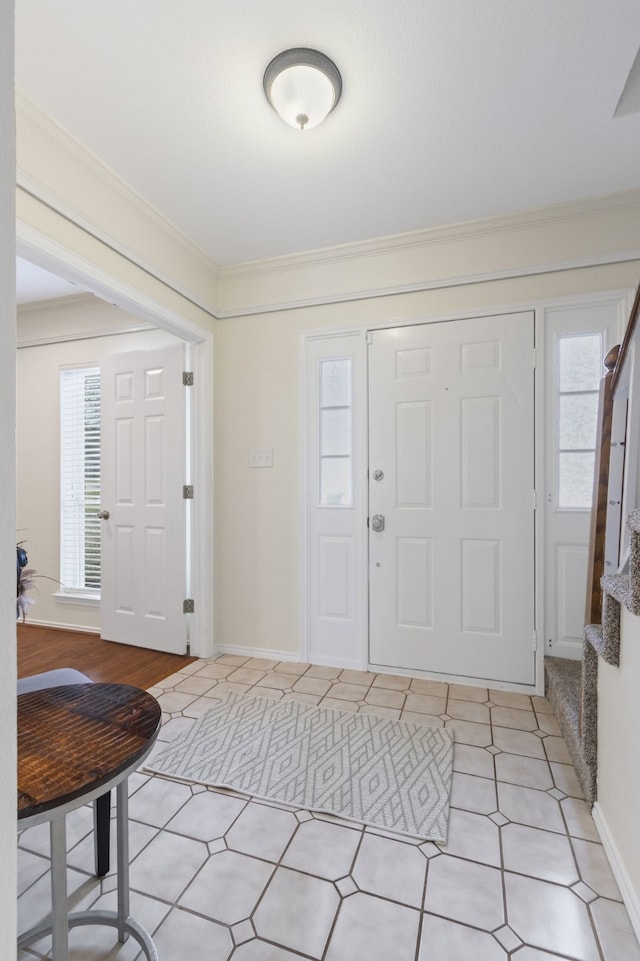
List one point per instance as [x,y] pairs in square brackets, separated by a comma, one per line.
[389,774]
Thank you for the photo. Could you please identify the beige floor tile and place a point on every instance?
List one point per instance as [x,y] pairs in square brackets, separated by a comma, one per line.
[540,854]
[560,922]
[390,869]
[541,705]
[158,801]
[183,934]
[530,807]
[216,670]
[223,688]
[196,685]
[393,713]
[246,675]
[207,816]
[449,941]
[565,779]
[464,891]
[469,732]
[312,685]
[548,724]
[472,760]
[297,912]
[172,702]
[199,707]
[322,848]
[475,794]
[320,670]
[425,704]
[614,931]
[392,682]
[527,771]
[510,699]
[468,711]
[348,676]
[468,692]
[415,717]
[518,742]
[273,693]
[348,692]
[258,950]
[263,664]
[302,698]
[473,836]
[579,821]
[385,698]
[167,865]
[278,680]
[368,927]
[339,705]
[556,749]
[228,887]
[595,869]
[420,685]
[292,667]
[512,717]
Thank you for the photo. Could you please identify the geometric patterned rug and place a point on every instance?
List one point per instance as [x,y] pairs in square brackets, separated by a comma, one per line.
[389,774]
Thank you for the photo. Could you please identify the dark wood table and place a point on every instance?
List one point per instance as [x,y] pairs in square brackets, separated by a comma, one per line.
[74,744]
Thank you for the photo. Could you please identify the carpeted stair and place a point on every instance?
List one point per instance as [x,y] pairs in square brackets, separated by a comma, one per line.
[572,686]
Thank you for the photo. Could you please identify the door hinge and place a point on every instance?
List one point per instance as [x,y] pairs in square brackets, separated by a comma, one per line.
[188,606]
[535,640]
[187,492]
[187,378]
[535,500]
[535,359]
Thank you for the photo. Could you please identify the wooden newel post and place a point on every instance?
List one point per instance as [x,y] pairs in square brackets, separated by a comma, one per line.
[595,568]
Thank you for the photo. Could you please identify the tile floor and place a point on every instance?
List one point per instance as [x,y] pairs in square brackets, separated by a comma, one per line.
[217,876]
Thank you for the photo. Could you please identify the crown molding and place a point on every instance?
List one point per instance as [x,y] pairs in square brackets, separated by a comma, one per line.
[56,303]
[85,167]
[532,219]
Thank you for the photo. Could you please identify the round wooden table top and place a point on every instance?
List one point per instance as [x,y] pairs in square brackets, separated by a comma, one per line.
[75,738]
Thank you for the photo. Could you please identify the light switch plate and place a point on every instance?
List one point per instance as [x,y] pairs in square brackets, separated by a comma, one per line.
[261,457]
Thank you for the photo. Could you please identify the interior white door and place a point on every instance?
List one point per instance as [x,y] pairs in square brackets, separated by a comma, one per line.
[451,477]
[143,472]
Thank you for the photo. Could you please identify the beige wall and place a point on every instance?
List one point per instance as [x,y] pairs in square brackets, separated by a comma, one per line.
[257,403]
[619,758]
[38,472]
[7,500]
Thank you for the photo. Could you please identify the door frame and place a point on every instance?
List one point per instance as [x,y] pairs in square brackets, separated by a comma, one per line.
[52,256]
[359,657]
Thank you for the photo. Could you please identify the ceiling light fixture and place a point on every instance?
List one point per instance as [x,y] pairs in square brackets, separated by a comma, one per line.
[303,86]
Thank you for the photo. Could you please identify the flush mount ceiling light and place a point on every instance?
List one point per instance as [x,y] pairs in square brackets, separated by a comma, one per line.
[303,86]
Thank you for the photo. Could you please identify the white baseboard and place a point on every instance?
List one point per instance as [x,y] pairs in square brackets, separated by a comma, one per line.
[572,650]
[241,651]
[630,896]
[59,626]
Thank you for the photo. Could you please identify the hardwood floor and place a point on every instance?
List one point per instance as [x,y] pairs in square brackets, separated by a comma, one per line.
[45,649]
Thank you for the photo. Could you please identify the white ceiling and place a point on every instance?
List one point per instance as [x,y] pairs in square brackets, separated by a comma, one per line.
[33,283]
[452,110]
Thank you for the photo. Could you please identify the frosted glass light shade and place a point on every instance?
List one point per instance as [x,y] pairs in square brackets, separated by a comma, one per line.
[303,86]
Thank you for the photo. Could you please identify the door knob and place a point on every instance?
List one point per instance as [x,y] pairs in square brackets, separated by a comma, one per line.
[103,515]
[377,523]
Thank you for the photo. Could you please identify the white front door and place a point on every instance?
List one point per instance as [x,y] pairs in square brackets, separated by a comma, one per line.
[143,472]
[451,477]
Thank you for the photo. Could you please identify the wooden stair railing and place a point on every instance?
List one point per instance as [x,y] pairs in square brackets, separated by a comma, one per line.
[595,557]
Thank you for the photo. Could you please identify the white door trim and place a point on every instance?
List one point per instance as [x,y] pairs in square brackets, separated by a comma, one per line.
[52,256]
[308,435]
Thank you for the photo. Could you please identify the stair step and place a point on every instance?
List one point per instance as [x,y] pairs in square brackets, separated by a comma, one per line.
[563,687]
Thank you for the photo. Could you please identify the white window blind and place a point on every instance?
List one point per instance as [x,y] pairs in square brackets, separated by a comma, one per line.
[80,480]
